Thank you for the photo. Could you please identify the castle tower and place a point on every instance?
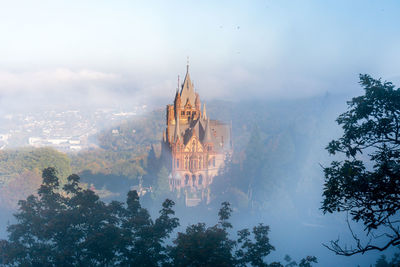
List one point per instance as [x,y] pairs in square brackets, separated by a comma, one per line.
[198,145]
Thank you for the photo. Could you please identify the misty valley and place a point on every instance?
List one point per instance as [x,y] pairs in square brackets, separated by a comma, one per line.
[272,180]
[200,133]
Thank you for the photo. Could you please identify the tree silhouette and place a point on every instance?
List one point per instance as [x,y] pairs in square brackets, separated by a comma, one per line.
[366,184]
[71,226]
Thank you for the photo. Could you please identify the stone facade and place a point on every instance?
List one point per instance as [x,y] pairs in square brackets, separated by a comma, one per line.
[197,145]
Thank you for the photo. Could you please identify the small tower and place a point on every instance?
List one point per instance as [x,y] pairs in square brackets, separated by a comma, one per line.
[204,114]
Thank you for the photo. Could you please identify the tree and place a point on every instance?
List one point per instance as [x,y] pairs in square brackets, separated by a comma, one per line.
[161,189]
[142,239]
[366,184]
[71,226]
[212,246]
[252,165]
[382,262]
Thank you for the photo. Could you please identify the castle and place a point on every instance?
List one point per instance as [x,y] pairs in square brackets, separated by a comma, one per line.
[198,146]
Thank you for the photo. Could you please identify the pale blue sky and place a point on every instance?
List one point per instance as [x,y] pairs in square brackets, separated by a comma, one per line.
[271,49]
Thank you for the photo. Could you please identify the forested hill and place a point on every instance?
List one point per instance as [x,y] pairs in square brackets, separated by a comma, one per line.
[298,116]
[135,136]
[287,129]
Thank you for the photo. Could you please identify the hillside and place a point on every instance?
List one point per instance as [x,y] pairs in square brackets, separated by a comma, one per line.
[288,131]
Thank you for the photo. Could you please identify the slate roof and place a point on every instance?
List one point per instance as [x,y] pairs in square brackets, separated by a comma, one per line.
[187,91]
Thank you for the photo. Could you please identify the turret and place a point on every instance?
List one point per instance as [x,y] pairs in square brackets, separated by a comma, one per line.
[204,114]
[197,102]
[177,102]
[177,130]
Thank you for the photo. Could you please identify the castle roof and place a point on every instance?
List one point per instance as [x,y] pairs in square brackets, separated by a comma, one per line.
[208,131]
[187,91]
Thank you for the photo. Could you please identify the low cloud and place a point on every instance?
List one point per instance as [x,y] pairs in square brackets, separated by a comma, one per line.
[53,80]
[64,87]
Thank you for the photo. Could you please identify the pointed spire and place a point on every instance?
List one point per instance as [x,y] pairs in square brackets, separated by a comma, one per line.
[177,88]
[207,135]
[197,102]
[177,130]
[196,128]
[204,112]
[187,91]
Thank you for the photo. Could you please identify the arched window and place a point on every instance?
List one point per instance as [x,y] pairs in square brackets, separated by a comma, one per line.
[193,179]
[200,179]
[186,179]
[200,162]
[177,163]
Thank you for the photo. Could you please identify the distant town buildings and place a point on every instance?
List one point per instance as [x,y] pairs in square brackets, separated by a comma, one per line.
[67,131]
[197,145]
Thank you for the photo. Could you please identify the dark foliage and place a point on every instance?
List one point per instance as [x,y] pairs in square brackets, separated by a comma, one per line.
[70,226]
[383,262]
[366,184]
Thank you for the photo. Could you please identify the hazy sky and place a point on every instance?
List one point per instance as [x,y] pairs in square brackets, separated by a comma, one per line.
[100,51]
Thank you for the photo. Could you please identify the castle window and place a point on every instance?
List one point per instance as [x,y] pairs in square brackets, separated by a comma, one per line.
[193,179]
[200,179]
[200,161]
[186,179]
[187,112]
[183,113]
[177,163]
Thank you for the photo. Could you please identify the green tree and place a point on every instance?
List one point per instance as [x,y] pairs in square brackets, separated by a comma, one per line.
[161,189]
[252,165]
[366,184]
[143,239]
[71,226]
[212,246]
[65,228]
[383,262]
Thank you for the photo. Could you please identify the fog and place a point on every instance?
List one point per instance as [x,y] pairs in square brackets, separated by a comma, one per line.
[297,62]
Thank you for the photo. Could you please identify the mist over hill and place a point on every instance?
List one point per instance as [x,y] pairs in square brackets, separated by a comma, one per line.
[292,137]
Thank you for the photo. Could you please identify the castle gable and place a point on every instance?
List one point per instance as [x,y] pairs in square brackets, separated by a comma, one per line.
[194,145]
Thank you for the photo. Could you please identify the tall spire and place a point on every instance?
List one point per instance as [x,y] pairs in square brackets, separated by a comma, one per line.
[177,130]
[187,91]
[177,88]
[207,134]
[204,115]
